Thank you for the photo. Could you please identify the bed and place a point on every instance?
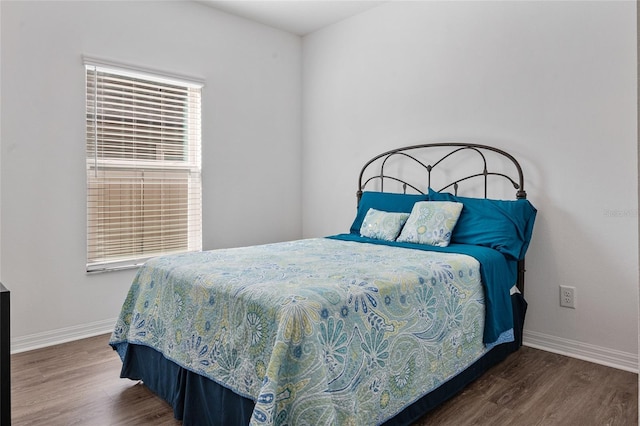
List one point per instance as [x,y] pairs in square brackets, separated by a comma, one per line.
[375,326]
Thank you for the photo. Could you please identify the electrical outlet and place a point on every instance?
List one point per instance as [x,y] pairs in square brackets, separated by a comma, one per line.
[568,296]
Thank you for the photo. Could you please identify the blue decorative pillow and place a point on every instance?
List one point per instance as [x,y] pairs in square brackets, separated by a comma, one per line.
[382,225]
[384,201]
[431,223]
[500,224]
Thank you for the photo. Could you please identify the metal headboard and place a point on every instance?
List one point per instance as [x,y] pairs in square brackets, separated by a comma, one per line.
[410,152]
[417,155]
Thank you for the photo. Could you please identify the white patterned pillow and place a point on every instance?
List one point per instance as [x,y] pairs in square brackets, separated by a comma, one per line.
[431,222]
[382,225]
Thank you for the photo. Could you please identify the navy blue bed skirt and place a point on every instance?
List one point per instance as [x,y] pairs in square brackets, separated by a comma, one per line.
[197,400]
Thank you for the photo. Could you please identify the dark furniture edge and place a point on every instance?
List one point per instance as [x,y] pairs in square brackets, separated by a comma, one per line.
[5,357]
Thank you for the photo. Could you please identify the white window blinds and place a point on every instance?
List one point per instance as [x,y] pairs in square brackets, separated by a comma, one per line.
[143,167]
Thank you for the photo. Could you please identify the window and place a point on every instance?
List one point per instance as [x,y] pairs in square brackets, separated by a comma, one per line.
[143,167]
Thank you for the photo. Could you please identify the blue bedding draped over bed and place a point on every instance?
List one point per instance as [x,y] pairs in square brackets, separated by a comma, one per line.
[498,276]
[309,329]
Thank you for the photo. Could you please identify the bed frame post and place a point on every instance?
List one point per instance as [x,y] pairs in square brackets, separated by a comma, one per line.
[521,195]
[521,271]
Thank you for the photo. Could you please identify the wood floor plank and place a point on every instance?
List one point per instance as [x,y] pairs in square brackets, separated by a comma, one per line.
[78,384]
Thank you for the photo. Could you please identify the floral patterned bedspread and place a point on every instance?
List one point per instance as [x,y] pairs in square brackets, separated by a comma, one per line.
[316,331]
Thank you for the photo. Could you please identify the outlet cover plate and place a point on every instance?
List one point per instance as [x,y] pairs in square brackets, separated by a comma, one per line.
[568,296]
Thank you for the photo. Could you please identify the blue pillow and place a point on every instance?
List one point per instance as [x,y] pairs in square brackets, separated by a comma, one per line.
[386,202]
[503,225]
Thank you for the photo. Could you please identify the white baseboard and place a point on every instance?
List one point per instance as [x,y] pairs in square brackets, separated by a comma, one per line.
[62,335]
[584,351]
[587,352]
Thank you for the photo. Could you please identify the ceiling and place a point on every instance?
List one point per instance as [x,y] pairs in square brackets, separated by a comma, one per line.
[300,17]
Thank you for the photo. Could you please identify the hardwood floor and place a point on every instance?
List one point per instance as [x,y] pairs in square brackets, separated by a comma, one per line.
[78,383]
[534,387]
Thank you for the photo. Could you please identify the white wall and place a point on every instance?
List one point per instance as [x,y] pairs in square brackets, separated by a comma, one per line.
[554,83]
[251,143]
[0,146]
